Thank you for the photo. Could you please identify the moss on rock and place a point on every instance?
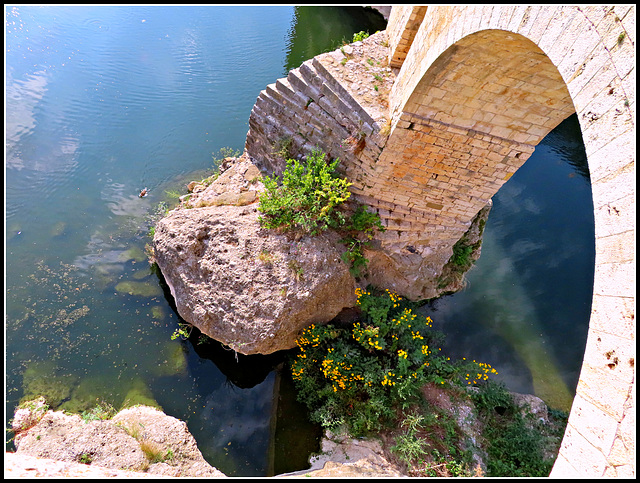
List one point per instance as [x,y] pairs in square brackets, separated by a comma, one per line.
[45,378]
[140,394]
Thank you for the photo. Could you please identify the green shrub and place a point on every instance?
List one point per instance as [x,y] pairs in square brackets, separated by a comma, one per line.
[516,442]
[367,377]
[307,198]
[85,458]
[365,222]
[357,376]
[224,152]
[516,449]
[311,198]
[493,397]
[361,228]
[462,255]
[360,36]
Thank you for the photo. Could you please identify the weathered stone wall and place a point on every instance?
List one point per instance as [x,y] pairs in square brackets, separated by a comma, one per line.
[328,102]
[403,24]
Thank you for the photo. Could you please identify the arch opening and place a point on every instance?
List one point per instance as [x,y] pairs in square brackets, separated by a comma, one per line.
[470,123]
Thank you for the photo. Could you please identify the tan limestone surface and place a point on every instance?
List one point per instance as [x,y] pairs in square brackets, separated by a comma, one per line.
[250,288]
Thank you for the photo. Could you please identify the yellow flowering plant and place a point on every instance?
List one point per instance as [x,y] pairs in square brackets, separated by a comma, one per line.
[356,375]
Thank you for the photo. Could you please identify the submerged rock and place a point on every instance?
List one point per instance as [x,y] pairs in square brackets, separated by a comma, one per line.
[157,312]
[58,229]
[250,288]
[139,288]
[140,395]
[88,392]
[46,379]
[134,253]
[171,360]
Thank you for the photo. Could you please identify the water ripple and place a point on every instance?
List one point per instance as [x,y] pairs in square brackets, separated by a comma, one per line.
[97,25]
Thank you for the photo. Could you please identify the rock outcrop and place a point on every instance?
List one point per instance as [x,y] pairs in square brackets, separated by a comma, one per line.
[141,439]
[250,288]
[24,466]
[344,457]
[53,444]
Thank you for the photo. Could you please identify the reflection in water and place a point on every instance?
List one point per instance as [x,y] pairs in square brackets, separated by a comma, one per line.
[527,304]
[240,419]
[505,308]
[308,37]
[22,98]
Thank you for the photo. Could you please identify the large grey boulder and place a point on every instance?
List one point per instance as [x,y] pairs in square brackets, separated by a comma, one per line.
[250,288]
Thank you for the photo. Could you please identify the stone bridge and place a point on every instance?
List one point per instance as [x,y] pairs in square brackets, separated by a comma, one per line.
[432,116]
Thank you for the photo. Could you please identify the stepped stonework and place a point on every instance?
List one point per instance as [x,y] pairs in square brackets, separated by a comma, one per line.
[338,102]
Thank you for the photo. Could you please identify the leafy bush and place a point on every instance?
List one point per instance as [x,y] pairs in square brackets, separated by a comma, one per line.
[361,228]
[360,36]
[516,450]
[493,397]
[516,442]
[310,198]
[357,376]
[462,255]
[307,198]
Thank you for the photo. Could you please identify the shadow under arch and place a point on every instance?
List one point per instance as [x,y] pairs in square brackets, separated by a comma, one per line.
[470,123]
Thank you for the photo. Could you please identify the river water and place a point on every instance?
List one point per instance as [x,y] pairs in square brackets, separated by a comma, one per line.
[103,101]
[527,303]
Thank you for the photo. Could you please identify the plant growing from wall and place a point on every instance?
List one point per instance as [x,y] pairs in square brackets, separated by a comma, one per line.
[462,255]
[361,229]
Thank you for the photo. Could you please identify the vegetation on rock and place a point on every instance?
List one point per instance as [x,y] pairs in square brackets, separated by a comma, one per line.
[369,378]
[310,198]
[307,198]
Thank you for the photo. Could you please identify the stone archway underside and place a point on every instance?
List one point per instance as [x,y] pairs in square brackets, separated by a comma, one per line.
[593,49]
[473,119]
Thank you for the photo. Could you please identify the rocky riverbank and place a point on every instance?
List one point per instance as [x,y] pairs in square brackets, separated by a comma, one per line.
[141,442]
[137,439]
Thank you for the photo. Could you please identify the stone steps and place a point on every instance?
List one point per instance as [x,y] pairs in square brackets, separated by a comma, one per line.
[311,107]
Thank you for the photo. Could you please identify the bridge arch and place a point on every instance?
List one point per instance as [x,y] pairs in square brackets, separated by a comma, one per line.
[474,88]
[478,88]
